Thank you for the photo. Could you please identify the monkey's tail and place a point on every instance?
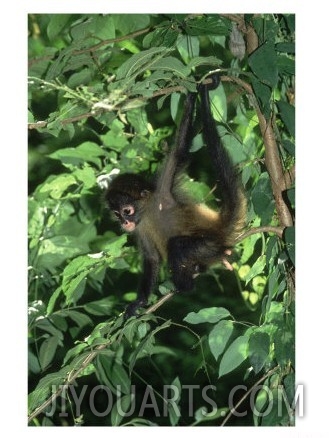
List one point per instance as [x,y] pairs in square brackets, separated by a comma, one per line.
[179,155]
[185,132]
[233,209]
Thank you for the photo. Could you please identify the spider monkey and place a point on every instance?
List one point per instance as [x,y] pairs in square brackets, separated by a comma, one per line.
[168,224]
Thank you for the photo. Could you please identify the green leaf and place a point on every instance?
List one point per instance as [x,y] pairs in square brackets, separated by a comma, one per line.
[74,352]
[284,346]
[207,25]
[79,318]
[248,248]
[289,238]
[87,151]
[100,307]
[263,94]
[285,47]
[46,385]
[286,65]
[202,415]
[74,285]
[131,328]
[262,199]
[53,251]
[146,346]
[256,269]
[219,336]
[33,363]
[114,374]
[291,197]
[161,37]
[86,176]
[30,117]
[56,24]
[233,146]
[47,325]
[47,351]
[289,147]
[218,104]
[79,78]
[261,401]
[102,366]
[171,64]
[263,62]
[98,27]
[200,190]
[276,411]
[59,321]
[287,113]
[103,26]
[56,186]
[115,138]
[115,248]
[197,61]
[173,397]
[127,23]
[140,62]
[210,314]
[138,120]
[76,272]
[120,409]
[52,300]
[120,378]
[236,353]
[259,348]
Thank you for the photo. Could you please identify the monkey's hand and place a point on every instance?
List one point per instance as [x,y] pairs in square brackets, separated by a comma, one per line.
[131,309]
[225,262]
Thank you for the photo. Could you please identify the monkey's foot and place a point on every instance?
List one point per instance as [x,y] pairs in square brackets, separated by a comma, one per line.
[225,262]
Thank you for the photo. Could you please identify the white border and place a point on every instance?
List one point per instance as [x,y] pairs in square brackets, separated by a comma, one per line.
[312,167]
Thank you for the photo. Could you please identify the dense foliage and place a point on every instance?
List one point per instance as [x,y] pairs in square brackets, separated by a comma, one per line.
[105,92]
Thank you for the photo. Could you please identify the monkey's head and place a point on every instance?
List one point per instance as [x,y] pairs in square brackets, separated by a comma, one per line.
[126,197]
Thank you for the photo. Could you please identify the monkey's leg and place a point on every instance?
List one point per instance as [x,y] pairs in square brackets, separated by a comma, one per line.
[147,283]
[188,256]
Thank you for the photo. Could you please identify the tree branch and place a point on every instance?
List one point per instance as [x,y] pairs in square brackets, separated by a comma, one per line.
[75,373]
[92,49]
[159,303]
[264,229]
[234,409]
[272,158]
[69,381]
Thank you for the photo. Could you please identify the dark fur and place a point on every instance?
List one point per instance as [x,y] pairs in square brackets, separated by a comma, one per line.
[189,236]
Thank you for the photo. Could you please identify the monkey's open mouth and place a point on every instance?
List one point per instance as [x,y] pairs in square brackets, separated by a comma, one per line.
[128,226]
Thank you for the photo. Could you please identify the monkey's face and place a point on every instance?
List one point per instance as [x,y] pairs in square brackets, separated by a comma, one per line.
[127,197]
[127,217]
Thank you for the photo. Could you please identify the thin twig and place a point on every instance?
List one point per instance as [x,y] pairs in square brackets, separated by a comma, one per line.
[159,303]
[70,379]
[75,374]
[263,229]
[234,409]
[93,48]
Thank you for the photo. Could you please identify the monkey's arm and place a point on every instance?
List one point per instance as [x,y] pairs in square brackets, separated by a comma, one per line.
[178,156]
[151,263]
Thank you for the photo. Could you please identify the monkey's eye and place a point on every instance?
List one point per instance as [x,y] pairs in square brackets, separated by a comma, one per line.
[144,193]
[128,211]
[117,214]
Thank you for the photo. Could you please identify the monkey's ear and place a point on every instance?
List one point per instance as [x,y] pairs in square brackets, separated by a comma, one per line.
[145,193]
